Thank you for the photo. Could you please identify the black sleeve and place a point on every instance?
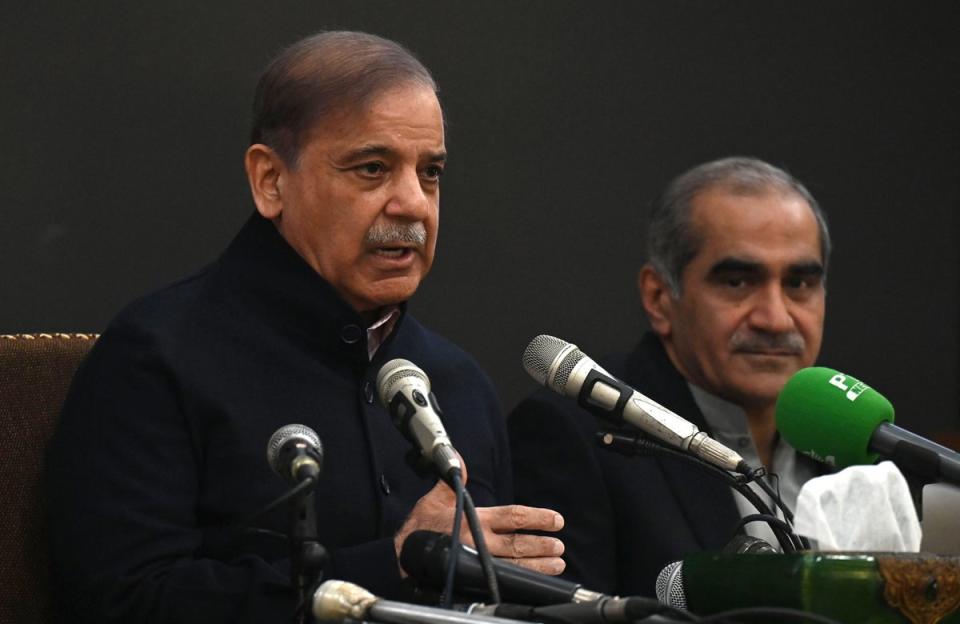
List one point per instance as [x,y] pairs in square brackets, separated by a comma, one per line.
[555,466]
[123,473]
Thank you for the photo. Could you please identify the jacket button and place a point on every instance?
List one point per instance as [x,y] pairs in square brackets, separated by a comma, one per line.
[351,334]
[384,484]
[368,392]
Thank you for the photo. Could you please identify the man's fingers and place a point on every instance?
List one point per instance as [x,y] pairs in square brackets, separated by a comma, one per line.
[545,565]
[520,546]
[509,518]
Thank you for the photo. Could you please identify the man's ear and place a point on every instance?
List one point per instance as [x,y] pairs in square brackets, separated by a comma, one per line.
[657,299]
[264,167]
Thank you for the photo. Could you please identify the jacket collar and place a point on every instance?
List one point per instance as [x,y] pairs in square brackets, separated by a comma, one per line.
[651,372]
[263,270]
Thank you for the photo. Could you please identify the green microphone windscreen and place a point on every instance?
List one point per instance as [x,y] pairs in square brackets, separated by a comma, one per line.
[831,416]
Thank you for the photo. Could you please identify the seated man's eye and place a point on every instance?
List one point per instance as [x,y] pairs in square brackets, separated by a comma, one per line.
[806,281]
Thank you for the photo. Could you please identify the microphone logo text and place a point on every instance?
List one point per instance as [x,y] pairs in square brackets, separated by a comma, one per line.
[840,381]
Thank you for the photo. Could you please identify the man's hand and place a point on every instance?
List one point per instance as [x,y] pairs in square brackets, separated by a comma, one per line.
[434,512]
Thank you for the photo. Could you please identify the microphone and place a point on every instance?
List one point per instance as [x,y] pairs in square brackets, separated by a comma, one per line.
[837,419]
[562,367]
[295,453]
[669,586]
[404,390]
[339,601]
[742,544]
[425,556]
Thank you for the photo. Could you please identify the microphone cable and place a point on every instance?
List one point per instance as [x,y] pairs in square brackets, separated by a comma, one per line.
[446,598]
[294,492]
[638,445]
[486,561]
[771,520]
[774,495]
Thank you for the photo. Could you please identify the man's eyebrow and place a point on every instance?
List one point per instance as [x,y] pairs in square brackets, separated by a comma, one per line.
[736,265]
[811,267]
[367,151]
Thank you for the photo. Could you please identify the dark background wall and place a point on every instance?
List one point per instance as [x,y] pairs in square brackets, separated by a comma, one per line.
[123,124]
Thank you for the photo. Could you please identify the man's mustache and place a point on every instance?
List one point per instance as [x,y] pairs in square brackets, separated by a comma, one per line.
[388,233]
[791,342]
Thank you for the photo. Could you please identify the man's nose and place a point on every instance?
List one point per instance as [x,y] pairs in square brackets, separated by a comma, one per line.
[408,199]
[771,310]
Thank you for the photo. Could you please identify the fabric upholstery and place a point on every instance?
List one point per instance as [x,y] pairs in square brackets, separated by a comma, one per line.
[35,372]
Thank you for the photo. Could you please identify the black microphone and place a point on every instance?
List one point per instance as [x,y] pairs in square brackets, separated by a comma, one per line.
[742,544]
[629,610]
[562,367]
[295,453]
[404,389]
[425,555]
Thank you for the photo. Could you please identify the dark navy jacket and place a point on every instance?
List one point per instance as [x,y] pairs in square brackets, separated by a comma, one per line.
[626,517]
[162,444]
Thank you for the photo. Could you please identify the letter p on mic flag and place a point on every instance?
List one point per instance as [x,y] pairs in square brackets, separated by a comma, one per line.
[831,416]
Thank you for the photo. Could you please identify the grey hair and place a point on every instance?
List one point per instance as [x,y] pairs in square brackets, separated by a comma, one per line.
[323,75]
[672,241]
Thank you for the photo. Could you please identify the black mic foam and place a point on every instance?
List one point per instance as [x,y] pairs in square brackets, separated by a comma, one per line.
[424,556]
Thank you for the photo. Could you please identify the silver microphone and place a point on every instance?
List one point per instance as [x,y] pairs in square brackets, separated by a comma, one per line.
[337,601]
[404,390]
[670,586]
[562,367]
[295,453]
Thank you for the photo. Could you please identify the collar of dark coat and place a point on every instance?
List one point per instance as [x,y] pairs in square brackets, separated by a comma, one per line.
[260,267]
[706,502]
[651,372]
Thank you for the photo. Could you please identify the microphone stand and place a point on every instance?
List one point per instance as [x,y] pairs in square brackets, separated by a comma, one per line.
[639,445]
[307,555]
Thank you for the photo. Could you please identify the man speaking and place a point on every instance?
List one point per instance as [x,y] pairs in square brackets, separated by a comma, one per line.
[160,452]
[734,293]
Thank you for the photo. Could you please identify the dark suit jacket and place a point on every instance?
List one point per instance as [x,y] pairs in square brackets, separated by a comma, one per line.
[162,443]
[626,517]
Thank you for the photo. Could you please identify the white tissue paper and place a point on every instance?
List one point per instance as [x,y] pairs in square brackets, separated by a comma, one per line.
[860,508]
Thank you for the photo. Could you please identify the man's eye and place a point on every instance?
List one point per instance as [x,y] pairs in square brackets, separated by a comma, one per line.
[735,282]
[799,282]
[433,172]
[371,168]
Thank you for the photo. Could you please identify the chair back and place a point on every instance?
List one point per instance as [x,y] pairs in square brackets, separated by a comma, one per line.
[35,373]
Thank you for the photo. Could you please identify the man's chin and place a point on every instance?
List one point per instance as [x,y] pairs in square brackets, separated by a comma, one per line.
[389,292]
[770,363]
[762,380]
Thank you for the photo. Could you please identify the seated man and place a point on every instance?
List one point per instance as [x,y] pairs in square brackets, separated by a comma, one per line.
[734,293]
[160,452]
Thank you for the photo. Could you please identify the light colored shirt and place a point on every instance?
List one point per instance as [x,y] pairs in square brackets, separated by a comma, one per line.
[728,425]
[379,331]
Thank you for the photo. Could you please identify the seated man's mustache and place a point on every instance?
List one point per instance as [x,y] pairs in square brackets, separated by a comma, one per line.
[791,343]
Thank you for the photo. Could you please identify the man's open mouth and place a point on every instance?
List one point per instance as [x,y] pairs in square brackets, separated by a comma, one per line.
[392,252]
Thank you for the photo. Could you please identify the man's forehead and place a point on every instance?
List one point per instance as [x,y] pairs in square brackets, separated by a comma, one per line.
[761,227]
[395,121]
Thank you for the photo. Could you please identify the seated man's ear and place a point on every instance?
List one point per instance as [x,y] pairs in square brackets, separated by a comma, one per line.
[265,170]
[657,299]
